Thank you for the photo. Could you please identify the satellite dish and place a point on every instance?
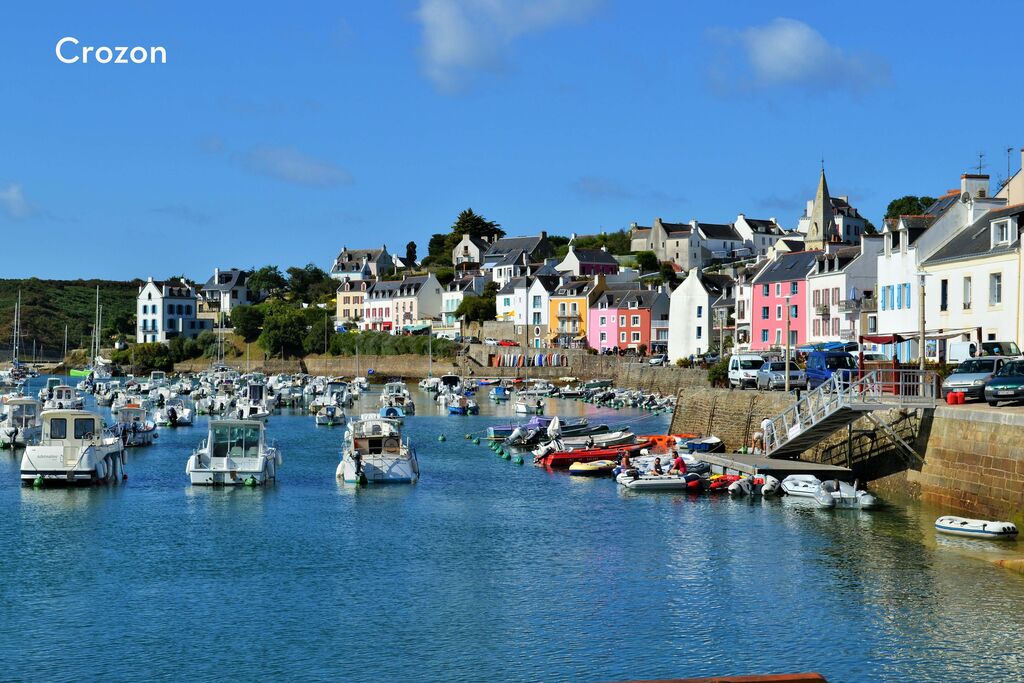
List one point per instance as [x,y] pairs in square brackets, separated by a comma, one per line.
[965,197]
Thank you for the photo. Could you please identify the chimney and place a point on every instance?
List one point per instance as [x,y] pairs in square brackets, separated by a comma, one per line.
[604,248]
[974,184]
[632,226]
[216,276]
[543,234]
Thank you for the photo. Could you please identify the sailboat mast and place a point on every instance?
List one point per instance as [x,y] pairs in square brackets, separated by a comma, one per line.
[17,329]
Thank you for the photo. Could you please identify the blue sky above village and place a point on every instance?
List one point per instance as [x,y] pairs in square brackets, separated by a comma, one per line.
[276,133]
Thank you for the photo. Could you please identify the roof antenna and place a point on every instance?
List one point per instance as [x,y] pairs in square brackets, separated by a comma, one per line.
[981,162]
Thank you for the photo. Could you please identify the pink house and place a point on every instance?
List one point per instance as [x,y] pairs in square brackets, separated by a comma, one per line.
[603,322]
[781,283]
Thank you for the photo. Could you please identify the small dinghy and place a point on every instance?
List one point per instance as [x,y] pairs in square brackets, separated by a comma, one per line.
[801,485]
[975,528]
[592,469]
[634,481]
[833,493]
[766,485]
[721,482]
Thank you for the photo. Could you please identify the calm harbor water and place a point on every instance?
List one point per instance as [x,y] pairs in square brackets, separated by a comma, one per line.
[484,570]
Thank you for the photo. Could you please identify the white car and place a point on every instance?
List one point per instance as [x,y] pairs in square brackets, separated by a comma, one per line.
[743,369]
[491,341]
[660,360]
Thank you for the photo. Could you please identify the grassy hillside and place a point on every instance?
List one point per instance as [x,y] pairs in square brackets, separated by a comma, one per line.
[48,305]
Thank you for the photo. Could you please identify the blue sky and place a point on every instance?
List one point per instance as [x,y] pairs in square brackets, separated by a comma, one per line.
[276,133]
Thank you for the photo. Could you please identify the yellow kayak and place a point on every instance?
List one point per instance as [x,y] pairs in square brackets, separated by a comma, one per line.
[598,467]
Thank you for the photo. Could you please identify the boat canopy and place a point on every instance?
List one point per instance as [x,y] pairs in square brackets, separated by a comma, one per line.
[235,438]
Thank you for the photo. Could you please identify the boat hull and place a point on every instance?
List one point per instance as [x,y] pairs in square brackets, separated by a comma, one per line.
[975,528]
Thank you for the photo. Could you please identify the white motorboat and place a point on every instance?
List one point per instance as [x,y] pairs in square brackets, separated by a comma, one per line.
[75,447]
[396,395]
[175,413]
[975,528]
[374,453]
[134,426]
[663,482]
[255,405]
[571,443]
[64,397]
[234,453]
[833,493]
[331,416]
[528,405]
[23,423]
[760,485]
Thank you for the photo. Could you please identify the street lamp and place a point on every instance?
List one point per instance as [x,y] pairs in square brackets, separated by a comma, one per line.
[787,345]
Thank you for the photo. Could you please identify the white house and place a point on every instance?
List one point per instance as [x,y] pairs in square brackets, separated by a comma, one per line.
[840,282]
[690,318]
[222,292]
[362,264]
[972,290]
[452,297]
[469,253]
[911,240]
[165,310]
[510,302]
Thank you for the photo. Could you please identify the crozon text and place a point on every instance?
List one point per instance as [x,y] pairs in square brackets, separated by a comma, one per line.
[68,52]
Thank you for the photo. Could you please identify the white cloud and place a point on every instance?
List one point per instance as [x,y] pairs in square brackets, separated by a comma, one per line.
[786,52]
[291,165]
[461,37]
[12,199]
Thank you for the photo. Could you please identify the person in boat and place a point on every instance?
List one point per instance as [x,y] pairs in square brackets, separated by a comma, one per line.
[590,443]
[678,466]
[656,468]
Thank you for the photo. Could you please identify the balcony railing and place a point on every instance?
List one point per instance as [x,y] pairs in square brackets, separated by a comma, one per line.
[659,324]
[849,305]
[868,305]
[822,310]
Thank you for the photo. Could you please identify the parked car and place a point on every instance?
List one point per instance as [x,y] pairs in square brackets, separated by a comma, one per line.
[658,360]
[875,357]
[971,375]
[772,376]
[471,340]
[959,351]
[507,342]
[821,365]
[1007,384]
[1000,348]
[491,341]
[743,369]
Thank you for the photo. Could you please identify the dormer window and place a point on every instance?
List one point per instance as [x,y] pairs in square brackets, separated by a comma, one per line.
[1001,233]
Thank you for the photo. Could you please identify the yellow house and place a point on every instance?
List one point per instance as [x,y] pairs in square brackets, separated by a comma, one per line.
[568,313]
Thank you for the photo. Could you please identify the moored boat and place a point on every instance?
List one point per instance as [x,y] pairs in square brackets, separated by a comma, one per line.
[975,528]
[597,468]
[374,453]
[234,453]
[331,416]
[833,493]
[562,459]
[23,423]
[75,447]
[661,482]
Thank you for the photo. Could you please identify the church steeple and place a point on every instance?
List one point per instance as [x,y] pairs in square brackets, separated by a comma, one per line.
[822,225]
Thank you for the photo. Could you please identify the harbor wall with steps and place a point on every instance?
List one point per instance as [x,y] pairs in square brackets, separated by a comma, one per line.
[973,458]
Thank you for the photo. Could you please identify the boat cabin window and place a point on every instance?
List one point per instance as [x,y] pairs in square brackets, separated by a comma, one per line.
[236,441]
[85,427]
[58,428]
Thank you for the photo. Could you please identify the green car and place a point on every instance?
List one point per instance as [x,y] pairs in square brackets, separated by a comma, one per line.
[1007,384]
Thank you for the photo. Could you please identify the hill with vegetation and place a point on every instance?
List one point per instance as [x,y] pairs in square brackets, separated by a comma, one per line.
[48,305]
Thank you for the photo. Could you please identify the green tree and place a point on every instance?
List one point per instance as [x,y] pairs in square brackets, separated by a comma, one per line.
[268,279]
[468,222]
[283,332]
[908,205]
[477,309]
[647,262]
[410,254]
[310,284]
[668,274]
[247,321]
[144,358]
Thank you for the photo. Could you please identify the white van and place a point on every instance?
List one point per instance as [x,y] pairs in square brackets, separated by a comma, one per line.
[959,351]
[743,369]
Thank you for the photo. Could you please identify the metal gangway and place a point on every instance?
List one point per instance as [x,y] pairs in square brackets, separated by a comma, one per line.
[847,396]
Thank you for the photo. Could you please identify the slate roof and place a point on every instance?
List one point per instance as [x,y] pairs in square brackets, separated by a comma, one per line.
[671,228]
[644,298]
[792,266]
[572,288]
[922,222]
[514,284]
[510,258]
[227,280]
[175,287]
[642,228]
[594,256]
[410,286]
[506,244]
[843,257]
[719,231]
[975,240]
[764,225]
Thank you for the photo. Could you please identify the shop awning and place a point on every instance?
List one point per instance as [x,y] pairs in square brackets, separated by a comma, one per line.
[882,339]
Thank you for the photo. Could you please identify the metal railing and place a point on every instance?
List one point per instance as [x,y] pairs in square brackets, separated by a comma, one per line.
[852,390]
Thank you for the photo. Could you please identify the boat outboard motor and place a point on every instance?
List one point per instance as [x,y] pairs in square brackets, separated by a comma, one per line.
[516,434]
[172,417]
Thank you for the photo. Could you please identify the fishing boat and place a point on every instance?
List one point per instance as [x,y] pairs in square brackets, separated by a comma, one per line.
[833,493]
[374,453]
[975,528]
[64,397]
[331,416]
[134,426]
[597,468]
[500,393]
[255,405]
[175,413]
[396,395]
[23,423]
[460,405]
[392,413]
[234,453]
[75,447]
